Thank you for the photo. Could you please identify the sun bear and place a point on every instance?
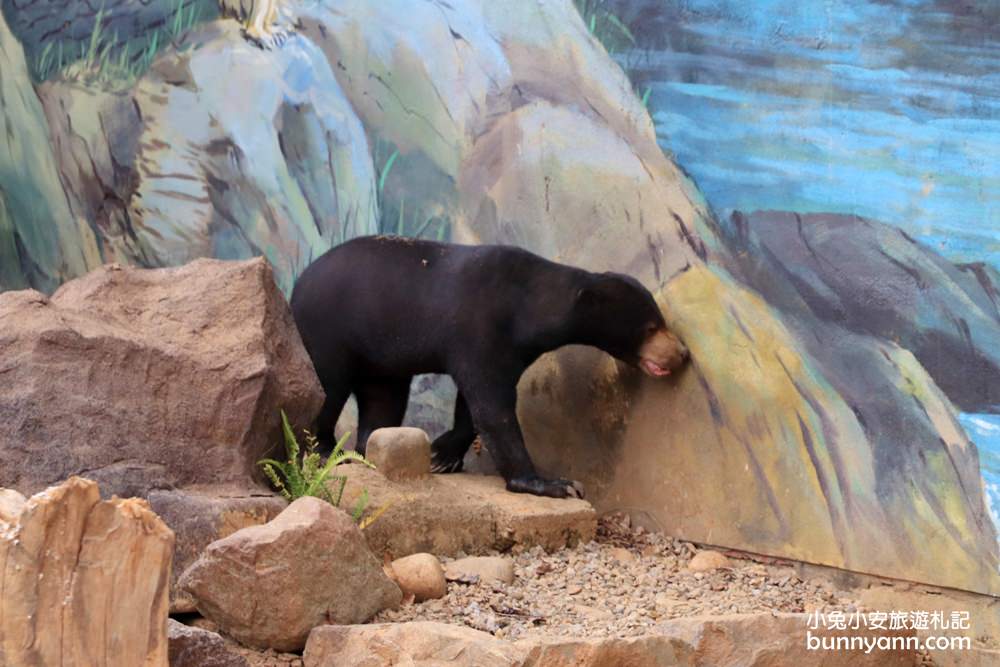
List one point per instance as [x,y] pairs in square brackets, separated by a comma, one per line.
[375,311]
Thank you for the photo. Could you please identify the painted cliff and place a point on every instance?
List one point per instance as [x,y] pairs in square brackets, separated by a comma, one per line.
[805,428]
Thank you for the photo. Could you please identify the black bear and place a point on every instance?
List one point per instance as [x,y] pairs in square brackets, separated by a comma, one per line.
[375,311]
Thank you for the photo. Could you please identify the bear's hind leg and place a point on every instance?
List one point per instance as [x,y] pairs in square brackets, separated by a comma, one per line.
[448,449]
[381,403]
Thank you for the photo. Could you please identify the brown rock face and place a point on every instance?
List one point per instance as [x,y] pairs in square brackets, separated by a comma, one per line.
[145,379]
[400,453]
[268,586]
[84,581]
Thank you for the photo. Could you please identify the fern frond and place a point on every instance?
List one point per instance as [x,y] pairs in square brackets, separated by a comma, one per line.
[318,480]
[354,456]
[269,472]
[359,507]
[311,465]
[291,444]
[340,491]
[340,445]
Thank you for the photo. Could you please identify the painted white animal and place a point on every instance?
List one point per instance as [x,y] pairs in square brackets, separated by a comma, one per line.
[259,17]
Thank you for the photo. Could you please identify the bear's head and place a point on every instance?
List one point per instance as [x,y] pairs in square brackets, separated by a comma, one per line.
[618,315]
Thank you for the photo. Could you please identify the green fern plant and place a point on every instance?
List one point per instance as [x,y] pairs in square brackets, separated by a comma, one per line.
[309,475]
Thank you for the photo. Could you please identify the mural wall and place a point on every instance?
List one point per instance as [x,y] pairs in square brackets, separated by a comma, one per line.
[810,189]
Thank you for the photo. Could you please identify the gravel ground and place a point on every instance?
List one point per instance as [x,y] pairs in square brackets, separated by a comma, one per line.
[622,584]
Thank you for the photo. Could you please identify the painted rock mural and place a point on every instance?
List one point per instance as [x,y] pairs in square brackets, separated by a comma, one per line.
[818,419]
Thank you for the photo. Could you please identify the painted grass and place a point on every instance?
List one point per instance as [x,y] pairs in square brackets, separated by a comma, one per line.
[605,25]
[108,61]
[392,213]
[613,34]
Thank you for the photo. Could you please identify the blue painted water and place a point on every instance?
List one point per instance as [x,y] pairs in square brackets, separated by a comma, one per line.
[984,430]
[887,109]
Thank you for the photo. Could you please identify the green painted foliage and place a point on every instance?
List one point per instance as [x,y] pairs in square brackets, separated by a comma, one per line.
[108,60]
[614,35]
[605,25]
[394,218]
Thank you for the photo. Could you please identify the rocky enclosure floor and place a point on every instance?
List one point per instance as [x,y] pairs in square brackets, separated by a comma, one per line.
[621,584]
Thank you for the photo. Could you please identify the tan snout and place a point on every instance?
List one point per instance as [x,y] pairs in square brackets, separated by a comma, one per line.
[662,353]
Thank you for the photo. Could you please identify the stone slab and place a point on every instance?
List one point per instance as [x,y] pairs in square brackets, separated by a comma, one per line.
[460,513]
[739,640]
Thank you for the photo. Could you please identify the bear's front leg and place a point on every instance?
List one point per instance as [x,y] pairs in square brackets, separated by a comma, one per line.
[493,404]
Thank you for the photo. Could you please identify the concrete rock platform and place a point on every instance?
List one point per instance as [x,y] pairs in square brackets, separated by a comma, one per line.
[461,513]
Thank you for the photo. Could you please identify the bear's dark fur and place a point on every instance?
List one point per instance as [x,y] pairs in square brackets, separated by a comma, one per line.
[375,311]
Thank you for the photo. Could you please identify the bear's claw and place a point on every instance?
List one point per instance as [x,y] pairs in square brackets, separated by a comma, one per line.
[539,486]
[444,465]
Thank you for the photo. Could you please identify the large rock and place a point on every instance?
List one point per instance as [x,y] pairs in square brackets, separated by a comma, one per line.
[199,517]
[448,514]
[84,581]
[750,640]
[147,379]
[738,640]
[268,586]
